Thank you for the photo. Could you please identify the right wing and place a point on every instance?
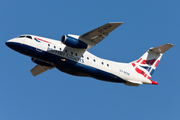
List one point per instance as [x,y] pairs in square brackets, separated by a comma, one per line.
[95,36]
[38,69]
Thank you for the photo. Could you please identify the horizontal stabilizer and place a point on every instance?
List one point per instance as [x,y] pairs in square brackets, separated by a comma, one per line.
[133,83]
[162,48]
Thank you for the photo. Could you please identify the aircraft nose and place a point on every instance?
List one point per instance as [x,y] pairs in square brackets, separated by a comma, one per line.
[13,45]
[9,44]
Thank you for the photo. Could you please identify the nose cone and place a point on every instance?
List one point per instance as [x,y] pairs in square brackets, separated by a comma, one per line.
[9,44]
[13,45]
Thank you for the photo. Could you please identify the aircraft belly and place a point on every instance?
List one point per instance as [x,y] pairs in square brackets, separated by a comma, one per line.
[79,69]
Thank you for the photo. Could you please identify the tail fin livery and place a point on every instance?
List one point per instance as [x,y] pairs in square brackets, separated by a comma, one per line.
[148,62]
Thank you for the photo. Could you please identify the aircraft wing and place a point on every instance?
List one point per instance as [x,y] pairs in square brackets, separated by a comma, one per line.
[95,36]
[38,69]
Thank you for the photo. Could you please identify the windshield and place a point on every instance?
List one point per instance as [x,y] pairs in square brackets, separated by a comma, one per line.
[21,36]
[28,36]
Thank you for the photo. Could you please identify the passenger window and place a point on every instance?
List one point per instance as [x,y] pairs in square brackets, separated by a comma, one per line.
[94,60]
[71,52]
[76,54]
[88,58]
[54,46]
[59,48]
[102,63]
[82,56]
[66,51]
[48,44]
[108,65]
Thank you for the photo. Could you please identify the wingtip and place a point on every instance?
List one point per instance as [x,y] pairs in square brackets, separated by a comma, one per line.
[116,23]
[170,44]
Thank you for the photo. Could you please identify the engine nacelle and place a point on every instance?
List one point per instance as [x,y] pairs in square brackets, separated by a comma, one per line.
[73,42]
[40,62]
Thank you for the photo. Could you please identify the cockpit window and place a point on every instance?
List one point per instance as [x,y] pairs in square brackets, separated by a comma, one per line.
[21,36]
[29,37]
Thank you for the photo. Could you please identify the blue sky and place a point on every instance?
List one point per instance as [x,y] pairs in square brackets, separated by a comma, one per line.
[55,95]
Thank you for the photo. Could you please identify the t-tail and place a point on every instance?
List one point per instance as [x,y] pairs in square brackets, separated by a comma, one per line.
[148,62]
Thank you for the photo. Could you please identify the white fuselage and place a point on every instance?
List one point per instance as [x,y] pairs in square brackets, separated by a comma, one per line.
[81,60]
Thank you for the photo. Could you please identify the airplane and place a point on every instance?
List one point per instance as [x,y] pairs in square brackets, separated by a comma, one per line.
[70,55]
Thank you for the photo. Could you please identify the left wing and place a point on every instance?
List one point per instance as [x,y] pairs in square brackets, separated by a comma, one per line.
[95,36]
[38,69]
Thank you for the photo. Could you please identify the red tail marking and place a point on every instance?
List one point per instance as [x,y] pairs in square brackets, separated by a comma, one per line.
[156,63]
[139,60]
[153,82]
[149,77]
[145,75]
[138,70]
[143,62]
[133,65]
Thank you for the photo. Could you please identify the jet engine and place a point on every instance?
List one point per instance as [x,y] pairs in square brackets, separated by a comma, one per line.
[40,62]
[73,42]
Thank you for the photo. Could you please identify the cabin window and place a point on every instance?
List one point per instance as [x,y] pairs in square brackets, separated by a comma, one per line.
[59,48]
[76,54]
[66,51]
[48,44]
[108,65]
[82,56]
[102,63]
[88,58]
[94,60]
[54,46]
[71,52]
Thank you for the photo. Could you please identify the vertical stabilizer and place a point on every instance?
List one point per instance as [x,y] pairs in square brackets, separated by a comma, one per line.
[148,62]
